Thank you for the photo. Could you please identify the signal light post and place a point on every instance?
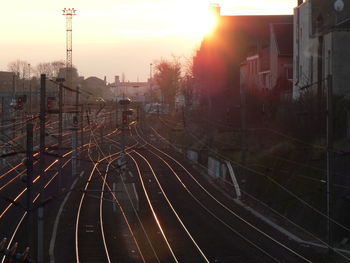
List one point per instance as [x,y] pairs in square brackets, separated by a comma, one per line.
[60,128]
[124,103]
[40,247]
[29,181]
[20,101]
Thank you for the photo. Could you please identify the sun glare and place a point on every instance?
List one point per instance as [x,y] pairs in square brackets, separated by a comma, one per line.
[198,23]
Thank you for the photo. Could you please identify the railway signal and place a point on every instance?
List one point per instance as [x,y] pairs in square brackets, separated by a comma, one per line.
[20,101]
[75,122]
[50,102]
[125,112]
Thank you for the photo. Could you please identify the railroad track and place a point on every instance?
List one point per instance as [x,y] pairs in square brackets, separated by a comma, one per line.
[96,241]
[13,213]
[181,217]
[213,206]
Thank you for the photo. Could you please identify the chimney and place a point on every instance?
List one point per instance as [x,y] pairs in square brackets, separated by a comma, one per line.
[216,9]
[116,80]
[105,79]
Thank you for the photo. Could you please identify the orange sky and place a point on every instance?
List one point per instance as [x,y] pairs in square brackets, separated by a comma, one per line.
[111,37]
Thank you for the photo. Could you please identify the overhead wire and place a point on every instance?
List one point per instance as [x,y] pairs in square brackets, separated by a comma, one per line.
[274,182]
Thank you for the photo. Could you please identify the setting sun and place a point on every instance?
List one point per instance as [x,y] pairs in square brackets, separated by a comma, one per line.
[116,33]
[198,23]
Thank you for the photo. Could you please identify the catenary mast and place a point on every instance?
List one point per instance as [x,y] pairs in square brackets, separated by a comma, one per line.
[69,13]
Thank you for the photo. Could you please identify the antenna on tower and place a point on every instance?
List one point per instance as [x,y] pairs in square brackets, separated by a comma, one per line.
[69,13]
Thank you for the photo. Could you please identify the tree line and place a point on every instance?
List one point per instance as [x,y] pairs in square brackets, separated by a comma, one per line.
[174,78]
[25,70]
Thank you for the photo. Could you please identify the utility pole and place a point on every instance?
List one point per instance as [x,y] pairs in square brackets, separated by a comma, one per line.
[81,130]
[77,122]
[243,108]
[14,100]
[150,81]
[60,130]
[124,103]
[74,130]
[338,7]
[3,131]
[69,13]
[41,167]
[116,113]
[30,90]
[74,153]
[29,179]
[330,162]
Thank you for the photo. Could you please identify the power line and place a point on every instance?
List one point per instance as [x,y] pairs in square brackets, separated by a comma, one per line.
[271,180]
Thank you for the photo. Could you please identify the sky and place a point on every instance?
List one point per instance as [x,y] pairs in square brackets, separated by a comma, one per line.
[112,37]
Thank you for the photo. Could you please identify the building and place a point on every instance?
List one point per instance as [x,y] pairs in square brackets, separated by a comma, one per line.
[255,72]
[96,88]
[136,91]
[281,59]
[218,61]
[268,70]
[7,81]
[321,48]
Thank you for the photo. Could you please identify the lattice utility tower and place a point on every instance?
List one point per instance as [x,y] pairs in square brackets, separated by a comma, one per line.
[69,13]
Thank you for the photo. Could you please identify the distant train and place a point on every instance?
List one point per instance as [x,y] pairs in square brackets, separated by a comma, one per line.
[93,99]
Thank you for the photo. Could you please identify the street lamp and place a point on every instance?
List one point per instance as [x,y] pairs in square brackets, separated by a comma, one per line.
[338,7]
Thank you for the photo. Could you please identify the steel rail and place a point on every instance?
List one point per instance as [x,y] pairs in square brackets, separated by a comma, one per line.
[226,207]
[153,211]
[172,208]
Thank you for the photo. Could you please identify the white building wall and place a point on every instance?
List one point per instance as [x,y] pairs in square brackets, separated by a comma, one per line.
[335,56]
[305,50]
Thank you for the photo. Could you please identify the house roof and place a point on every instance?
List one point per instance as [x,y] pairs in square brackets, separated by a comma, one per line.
[252,26]
[6,79]
[5,75]
[283,33]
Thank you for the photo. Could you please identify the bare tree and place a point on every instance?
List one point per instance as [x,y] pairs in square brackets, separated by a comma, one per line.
[43,68]
[19,67]
[167,76]
[188,82]
[51,69]
[56,66]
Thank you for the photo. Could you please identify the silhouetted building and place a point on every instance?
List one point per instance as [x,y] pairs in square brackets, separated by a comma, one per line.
[7,81]
[217,62]
[270,68]
[97,87]
[136,91]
